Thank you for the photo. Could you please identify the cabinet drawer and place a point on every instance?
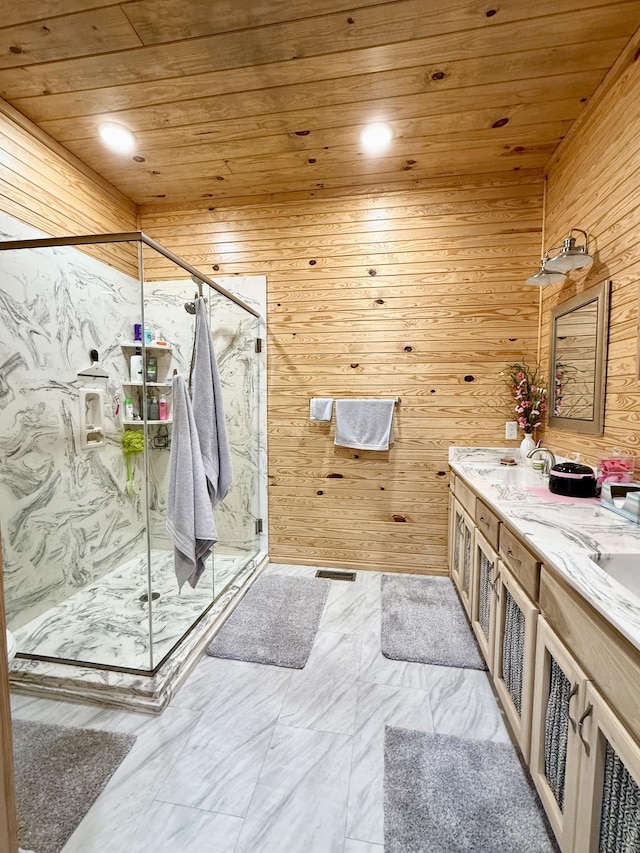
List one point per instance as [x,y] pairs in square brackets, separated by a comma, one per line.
[521,563]
[465,496]
[487,523]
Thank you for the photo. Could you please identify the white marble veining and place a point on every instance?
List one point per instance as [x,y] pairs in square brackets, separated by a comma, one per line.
[379,706]
[132,789]
[566,533]
[222,761]
[323,695]
[353,846]
[66,517]
[107,623]
[300,800]
[74,539]
[464,705]
[169,829]
[242,378]
[241,760]
[123,689]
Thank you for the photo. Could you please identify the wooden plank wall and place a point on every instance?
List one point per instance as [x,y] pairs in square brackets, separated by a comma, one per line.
[409,293]
[594,183]
[43,185]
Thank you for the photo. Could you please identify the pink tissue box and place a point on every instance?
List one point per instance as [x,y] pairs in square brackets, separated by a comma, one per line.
[616,469]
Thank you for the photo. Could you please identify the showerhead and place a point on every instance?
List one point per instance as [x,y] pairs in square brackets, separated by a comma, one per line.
[196,280]
[190,307]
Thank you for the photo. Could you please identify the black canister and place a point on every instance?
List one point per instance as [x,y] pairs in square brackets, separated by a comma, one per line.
[573,480]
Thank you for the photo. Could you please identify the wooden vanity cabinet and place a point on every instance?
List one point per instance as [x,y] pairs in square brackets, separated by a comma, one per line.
[608,813]
[554,762]
[514,654]
[573,704]
[584,762]
[462,553]
[522,564]
[487,523]
[484,578]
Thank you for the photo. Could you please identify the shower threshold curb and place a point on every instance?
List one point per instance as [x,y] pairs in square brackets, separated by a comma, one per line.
[126,691]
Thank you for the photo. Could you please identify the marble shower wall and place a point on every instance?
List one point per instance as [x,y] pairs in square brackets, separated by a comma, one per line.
[243,382]
[65,516]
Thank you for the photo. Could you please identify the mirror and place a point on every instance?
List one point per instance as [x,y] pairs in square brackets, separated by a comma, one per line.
[579,329]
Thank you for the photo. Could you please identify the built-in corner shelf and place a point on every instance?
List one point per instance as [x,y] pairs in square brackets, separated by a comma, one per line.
[149,423]
[153,345]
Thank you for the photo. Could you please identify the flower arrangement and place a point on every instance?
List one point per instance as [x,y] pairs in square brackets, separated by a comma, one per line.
[529,395]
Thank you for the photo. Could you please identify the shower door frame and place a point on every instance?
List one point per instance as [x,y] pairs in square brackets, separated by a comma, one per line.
[8,821]
[126,237]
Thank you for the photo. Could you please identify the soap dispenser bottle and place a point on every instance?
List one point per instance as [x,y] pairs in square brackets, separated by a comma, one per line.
[163,409]
[136,366]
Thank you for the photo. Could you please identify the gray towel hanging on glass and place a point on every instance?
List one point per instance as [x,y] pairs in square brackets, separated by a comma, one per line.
[208,410]
[190,521]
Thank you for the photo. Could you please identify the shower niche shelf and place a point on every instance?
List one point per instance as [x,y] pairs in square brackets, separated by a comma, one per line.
[154,390]
[152,345]
[140,423]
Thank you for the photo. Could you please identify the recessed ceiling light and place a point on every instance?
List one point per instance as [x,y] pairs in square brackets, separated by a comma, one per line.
[376,136]
[117,137]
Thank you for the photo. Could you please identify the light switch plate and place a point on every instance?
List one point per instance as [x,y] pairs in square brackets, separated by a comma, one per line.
[511,430]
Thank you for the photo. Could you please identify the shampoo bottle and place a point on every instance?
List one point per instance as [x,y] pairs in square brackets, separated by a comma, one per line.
[152,368]
[163,409]
[136,366]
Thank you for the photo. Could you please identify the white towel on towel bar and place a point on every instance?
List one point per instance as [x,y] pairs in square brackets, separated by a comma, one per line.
[364,424]
[320,408]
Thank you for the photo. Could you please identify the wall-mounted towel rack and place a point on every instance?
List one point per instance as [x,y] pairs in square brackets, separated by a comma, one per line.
[396,400]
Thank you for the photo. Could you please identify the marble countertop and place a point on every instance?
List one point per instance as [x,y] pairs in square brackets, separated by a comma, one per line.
[564,532]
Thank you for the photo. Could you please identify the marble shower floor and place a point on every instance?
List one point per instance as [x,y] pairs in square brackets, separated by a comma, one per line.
[256,759]
[106,623]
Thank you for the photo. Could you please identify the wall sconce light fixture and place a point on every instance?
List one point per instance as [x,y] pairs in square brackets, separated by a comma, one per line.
[554,269]
[571,257]
[545,275]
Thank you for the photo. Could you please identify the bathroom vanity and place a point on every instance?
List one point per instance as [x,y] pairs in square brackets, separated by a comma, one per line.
[551,586]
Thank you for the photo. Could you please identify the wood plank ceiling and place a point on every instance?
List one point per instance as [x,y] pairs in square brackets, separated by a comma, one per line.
[237,98]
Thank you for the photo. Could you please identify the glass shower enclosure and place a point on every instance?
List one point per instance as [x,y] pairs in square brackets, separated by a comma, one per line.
[92,330]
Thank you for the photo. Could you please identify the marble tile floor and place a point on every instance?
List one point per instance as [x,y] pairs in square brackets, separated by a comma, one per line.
[258,759]
[106,623]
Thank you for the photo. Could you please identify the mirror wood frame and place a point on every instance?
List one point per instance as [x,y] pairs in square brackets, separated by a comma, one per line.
[600,293]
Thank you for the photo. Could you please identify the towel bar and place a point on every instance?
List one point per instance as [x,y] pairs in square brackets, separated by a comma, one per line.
[396,400]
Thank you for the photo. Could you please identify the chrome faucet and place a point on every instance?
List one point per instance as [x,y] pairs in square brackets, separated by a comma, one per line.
[549,462]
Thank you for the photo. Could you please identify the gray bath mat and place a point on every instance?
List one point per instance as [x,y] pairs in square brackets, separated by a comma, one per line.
[275,623]
[443,794]
[423,620]
[59,773]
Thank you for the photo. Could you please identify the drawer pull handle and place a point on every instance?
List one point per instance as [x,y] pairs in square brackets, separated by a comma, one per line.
[512,555]
[572,720]
[587,713]
[482,518]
